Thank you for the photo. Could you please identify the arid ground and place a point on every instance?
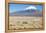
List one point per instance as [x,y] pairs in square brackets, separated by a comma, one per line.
[17,22]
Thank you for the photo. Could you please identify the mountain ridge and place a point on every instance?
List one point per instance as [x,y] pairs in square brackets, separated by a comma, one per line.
[29,12]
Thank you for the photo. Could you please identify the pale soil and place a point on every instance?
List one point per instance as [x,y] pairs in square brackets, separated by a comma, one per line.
[16,22]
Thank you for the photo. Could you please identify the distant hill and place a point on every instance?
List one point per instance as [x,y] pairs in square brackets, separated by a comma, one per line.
[29,12]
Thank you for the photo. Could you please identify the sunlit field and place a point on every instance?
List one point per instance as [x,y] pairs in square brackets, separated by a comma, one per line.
[21,22]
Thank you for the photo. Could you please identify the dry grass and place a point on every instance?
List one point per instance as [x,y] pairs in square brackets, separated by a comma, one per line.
[17,22]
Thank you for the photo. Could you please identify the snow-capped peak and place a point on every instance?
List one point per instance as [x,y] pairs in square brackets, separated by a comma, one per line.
[31,7]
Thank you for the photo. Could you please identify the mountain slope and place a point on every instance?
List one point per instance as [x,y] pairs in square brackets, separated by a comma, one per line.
[29,12]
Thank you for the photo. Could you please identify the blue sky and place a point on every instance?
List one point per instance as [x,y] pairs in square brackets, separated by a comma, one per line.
[19,7]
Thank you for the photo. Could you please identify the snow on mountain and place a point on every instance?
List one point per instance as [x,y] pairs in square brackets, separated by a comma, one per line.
[31,7]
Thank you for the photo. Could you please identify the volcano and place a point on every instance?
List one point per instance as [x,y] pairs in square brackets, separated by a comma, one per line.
[28,12]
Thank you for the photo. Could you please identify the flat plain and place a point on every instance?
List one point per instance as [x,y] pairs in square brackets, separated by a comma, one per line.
[21,22]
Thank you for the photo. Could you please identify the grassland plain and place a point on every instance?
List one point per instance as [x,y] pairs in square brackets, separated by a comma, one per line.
[17,22]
